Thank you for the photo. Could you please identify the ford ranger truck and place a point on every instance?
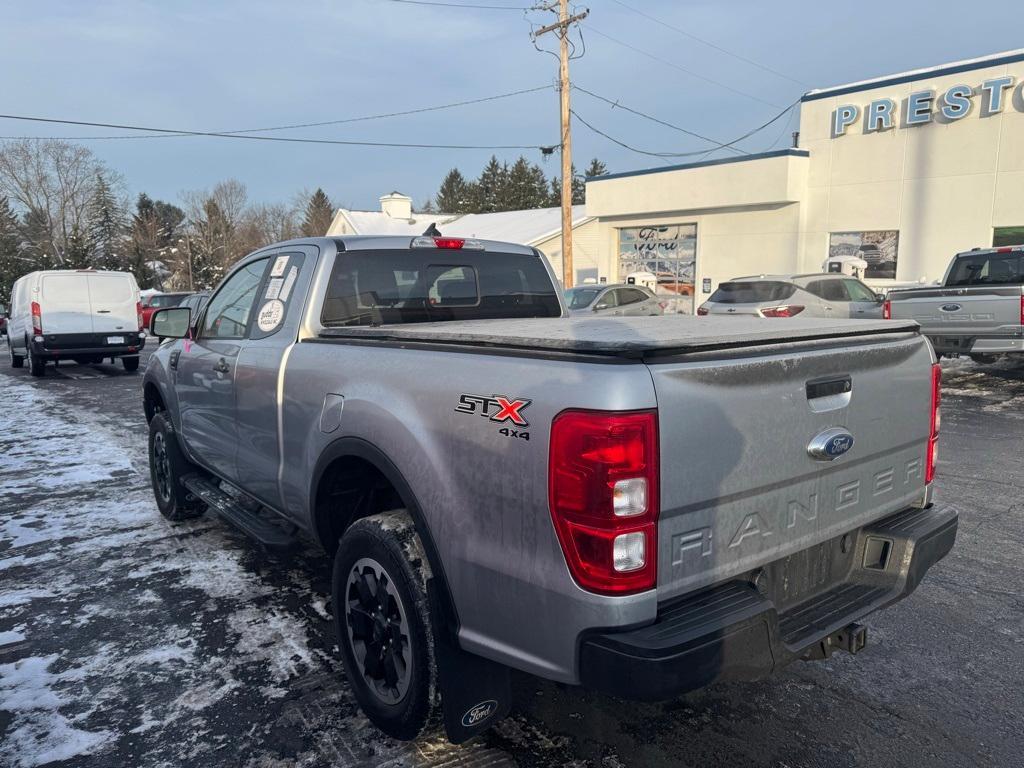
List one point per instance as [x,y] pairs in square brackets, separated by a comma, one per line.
[978,311]
[639,505]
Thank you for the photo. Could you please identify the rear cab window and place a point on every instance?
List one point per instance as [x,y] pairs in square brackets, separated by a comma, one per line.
[385,287]
[752,292]
[987,269]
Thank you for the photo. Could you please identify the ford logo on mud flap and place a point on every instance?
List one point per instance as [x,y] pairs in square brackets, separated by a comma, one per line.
[479,713]
[950,307]
[830,444]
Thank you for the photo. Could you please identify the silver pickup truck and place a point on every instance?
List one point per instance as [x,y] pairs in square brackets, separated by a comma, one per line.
[639,505]
[977,311]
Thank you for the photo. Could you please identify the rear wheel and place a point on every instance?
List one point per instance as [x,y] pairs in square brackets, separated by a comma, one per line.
[383,622]
[167,465]
[17,361]
[36,364]
[130,363]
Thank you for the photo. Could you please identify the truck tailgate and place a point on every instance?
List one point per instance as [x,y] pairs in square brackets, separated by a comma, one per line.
[739,488]
[962,311]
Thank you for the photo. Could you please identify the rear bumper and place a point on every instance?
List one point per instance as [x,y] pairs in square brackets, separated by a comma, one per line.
[945,344]
[735,631]
[67,346]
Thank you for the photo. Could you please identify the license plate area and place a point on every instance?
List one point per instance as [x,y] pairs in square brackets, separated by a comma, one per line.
[794,579]
[115,339]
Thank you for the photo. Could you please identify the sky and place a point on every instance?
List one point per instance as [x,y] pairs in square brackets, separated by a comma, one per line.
[223,66]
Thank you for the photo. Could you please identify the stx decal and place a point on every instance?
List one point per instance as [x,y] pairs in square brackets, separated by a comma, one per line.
[497,408]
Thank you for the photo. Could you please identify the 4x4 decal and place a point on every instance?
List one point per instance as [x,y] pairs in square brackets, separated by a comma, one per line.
[497,408]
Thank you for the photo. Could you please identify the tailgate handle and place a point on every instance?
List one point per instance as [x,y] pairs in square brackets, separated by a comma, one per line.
[829,394]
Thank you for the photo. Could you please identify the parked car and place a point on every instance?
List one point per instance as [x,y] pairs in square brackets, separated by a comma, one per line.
[613,300]
[195,302]
[80,315]
[641,507]
[813,295]
[155,301]
[3,320]
[978,310]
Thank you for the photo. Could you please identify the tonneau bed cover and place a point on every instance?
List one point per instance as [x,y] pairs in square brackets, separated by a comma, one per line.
[622,336]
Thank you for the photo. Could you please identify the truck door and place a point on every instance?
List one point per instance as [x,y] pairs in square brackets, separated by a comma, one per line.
[206,370]
[259,371]
[113,296]
[64,302]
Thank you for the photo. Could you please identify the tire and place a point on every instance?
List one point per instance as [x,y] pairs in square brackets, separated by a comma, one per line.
[131,364]
[167,465]
[37,365]
[17,361]
[380,603]
[985,359]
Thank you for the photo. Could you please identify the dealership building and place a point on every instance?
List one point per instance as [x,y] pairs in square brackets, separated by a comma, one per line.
[902,171]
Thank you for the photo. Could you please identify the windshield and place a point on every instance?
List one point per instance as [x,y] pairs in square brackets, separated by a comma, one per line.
[431,285]
[752,292]
[578,298]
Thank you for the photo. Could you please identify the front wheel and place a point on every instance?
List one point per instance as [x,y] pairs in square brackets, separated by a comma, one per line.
[167,465]
[383,623]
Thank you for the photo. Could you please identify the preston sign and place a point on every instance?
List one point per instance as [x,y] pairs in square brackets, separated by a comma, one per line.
[926,106]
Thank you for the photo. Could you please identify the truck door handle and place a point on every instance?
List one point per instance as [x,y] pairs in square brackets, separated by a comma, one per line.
[102,311]
[222,366]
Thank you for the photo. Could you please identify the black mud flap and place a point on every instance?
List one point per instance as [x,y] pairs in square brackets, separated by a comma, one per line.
[476,692]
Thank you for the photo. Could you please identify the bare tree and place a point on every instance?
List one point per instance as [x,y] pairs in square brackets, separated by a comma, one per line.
[55,180]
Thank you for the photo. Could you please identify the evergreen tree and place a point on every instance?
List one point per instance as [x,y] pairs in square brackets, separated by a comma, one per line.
[105,237]
[526,188]
[77,253]
[427,207]
[319,214]
[596,168]
[454,194]
[36,243]
[12,263]
[579,189]
[491,188]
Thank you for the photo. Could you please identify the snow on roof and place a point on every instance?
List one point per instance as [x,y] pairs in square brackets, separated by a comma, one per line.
[526,227]
[965,64]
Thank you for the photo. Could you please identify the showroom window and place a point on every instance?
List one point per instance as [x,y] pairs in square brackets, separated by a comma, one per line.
[880,249]
[1002,236]
[663,257]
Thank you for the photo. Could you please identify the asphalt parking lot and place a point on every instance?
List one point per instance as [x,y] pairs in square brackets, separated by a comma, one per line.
[126,641]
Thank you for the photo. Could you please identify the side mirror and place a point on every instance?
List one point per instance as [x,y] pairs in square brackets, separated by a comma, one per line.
[880,298]
[171,323]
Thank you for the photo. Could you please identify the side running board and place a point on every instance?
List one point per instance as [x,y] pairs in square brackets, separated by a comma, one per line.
[262,525]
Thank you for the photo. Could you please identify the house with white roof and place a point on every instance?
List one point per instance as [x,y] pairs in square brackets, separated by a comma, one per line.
[540,228]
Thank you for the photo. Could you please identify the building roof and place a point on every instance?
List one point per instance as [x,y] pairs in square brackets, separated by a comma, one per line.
[528,227]
[793,152]
[952,68]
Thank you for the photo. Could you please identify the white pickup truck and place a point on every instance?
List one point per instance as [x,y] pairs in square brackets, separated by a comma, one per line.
[977,311]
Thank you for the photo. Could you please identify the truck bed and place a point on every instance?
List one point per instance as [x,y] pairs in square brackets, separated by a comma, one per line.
[623,336]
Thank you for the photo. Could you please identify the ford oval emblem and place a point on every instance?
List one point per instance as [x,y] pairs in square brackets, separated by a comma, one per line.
[830,444]
[951,307]
[479,713]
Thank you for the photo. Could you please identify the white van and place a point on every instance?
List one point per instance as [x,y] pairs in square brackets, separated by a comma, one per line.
[80,315]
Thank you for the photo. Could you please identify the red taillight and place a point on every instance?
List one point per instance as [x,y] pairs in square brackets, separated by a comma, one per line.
[887,310]
[37,319]
[603,494]
[138,314]
[454,243]
[932,456]
[788,310]
[702,311]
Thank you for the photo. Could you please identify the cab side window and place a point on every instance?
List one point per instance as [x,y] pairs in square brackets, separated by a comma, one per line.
[829,290]
[608,300]
[631,296]
[229,311]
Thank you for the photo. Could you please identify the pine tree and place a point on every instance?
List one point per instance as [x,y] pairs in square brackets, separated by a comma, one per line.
[596,168]
[453,196]
[427,207]
[12,264]
[105,237]
[319,214]
[492,188]
[36,243]
[77,253]
[522,190]
[579,189]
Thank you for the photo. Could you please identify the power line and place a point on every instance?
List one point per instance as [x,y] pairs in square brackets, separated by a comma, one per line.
[672,64]
[618,105]
[728,145]
[322,123]
[462,5]
[709,43]
[290,140]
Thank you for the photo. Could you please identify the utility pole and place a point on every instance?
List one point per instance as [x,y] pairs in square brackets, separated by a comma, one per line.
[562,26]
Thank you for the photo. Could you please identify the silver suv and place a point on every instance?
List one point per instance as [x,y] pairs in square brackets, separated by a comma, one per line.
[813,295]
[613,300]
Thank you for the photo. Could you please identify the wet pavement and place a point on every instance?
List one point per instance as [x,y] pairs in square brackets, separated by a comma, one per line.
[128,641]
